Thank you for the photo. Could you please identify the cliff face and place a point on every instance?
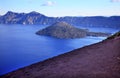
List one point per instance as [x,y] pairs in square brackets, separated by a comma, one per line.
[22,18]
[64,30]
[37,18]
[100,60]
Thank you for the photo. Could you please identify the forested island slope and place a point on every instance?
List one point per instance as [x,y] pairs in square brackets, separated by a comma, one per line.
[64,30]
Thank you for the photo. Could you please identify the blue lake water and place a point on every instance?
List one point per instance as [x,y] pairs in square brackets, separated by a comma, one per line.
[20,46]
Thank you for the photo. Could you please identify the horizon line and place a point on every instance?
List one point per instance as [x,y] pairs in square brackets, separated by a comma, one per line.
[61,16]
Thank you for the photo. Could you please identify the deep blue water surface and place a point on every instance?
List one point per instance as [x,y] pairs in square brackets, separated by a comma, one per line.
[20,46]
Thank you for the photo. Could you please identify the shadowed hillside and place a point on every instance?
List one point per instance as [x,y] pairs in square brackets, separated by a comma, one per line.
[100,60]
[114,35]
[63,30]
[67,31]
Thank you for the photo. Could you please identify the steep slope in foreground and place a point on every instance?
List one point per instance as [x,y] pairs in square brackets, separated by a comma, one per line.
[100,60]
[66,31]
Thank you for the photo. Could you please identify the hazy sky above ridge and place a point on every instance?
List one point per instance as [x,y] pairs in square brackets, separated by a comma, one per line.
[63,7]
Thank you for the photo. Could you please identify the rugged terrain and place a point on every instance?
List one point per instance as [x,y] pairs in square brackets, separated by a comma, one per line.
[100,60]
[40,19]
[64,30]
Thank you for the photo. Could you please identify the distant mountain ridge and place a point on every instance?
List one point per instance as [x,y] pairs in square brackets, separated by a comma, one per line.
[38,18]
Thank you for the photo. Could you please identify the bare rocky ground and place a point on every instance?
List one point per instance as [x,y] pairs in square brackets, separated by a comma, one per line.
[100,60]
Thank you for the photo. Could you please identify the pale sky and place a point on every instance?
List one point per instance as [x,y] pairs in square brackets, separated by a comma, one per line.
[63,7]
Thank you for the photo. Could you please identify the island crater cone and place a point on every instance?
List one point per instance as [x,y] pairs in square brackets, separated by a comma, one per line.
[65,30]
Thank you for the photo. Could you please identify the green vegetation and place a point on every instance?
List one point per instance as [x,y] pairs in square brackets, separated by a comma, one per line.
[64,30]
[114,35]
